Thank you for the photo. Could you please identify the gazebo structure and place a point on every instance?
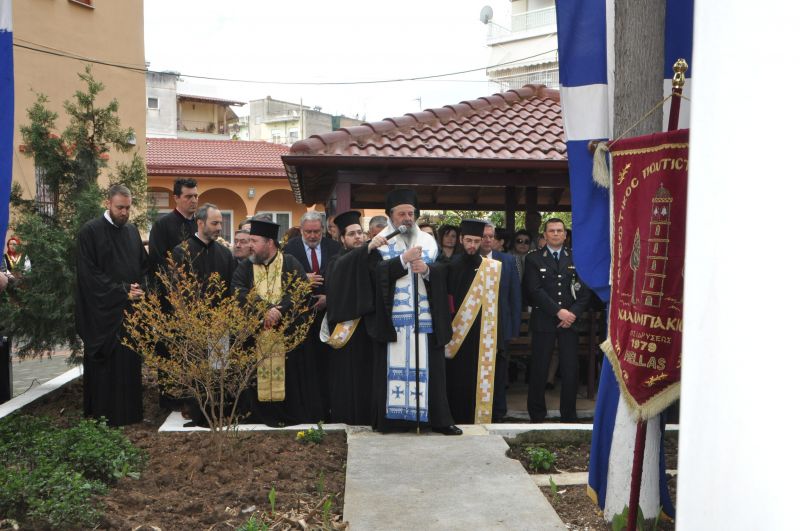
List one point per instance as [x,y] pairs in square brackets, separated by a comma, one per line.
[504,152]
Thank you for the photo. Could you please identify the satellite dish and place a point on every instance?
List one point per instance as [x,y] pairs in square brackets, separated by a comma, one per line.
[486,14]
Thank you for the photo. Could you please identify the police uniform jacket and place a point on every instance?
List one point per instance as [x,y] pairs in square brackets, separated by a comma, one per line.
[551,286]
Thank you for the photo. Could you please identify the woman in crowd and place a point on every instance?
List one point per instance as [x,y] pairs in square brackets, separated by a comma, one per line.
[448,243]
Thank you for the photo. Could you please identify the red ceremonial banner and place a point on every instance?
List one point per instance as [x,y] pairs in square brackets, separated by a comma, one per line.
[645,316]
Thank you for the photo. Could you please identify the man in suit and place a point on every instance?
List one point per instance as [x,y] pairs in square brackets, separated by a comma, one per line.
[510,315]
[314,252]
[558,298]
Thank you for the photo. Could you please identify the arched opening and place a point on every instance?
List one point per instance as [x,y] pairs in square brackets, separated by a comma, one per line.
[280,204]
[232,207]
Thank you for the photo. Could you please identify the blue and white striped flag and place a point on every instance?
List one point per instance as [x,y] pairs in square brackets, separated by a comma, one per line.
[6,112]
[586,68]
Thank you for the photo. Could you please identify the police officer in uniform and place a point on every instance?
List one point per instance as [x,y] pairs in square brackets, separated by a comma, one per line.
[558,298]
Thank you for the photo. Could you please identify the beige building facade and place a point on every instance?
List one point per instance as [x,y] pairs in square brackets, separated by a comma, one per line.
[53,41]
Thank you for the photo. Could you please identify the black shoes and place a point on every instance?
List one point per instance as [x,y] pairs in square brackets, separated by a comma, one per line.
[448,430]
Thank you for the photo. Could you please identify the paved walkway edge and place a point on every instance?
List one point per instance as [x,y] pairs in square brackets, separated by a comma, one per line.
[39,391]
[410,482]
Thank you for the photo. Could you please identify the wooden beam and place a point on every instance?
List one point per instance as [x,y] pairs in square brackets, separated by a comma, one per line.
[445,178]
[511,207]
[532,216]
[342,198]
[494,207]
[555,196]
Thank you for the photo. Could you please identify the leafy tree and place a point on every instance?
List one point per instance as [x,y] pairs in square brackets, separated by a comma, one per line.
[41,313]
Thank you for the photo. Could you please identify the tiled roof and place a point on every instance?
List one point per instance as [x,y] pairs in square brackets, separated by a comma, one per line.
[209,99]
[236,158]
[522,124]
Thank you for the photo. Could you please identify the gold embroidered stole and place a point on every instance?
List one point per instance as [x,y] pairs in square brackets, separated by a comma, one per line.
[267,280]
[483,295]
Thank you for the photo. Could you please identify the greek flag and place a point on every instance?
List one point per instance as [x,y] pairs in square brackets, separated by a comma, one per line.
[6,112]
[586,68]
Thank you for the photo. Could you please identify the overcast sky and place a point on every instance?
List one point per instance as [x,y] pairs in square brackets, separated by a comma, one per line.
[324,41]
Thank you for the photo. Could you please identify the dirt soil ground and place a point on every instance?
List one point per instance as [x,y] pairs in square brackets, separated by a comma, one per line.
[185,487]
[572,503]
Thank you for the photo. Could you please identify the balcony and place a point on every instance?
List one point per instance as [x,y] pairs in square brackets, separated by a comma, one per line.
[204,129]
[524,25]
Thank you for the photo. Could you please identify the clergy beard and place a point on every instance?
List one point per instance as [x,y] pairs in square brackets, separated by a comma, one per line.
[258,260]
[119,222]
[474,260]
[410,234]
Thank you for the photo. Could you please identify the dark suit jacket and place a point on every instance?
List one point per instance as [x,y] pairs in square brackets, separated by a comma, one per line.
[510,297]
[329,248]
[548,288]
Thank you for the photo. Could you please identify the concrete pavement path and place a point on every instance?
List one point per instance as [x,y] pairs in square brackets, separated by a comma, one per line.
[405,481]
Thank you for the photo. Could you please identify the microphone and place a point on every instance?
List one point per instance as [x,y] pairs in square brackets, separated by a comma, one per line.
[399,230]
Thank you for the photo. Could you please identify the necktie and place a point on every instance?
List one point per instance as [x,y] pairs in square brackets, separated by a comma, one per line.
[555,256]
[314,262]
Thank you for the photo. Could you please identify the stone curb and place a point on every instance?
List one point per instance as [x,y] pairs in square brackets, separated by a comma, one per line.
[39,391]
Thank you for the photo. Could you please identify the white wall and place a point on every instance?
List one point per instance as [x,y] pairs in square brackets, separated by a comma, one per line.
[740,398]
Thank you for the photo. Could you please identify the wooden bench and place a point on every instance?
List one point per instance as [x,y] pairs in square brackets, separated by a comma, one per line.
[588,345]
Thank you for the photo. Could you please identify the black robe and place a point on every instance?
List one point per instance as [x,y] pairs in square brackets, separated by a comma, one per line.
[303,403]
[462,370]
[351,367]
[167,232]
[207,259]
[109,260]
[384,274]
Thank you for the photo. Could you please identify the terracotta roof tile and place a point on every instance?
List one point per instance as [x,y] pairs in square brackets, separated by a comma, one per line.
[168,156]
[521,124]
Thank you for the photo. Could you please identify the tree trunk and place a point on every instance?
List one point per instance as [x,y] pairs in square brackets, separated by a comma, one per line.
[638,87]
[639,64]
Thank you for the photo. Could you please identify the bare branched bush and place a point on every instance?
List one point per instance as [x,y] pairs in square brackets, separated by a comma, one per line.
[216,343]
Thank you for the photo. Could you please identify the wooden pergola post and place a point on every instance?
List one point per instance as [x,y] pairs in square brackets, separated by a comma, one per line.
[532,217]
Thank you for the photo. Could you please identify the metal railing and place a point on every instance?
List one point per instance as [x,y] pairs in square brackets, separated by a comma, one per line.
[530,20]
[548,78]
[533,19]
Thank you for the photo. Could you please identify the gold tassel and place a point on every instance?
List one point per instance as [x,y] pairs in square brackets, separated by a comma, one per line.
[600,172]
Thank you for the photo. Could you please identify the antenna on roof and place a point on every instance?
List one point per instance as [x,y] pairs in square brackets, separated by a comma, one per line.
[486,14]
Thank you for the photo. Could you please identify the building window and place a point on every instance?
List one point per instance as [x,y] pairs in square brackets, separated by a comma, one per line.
[45,199]
[159,200]
[227,225]
[152,103]
[284,219]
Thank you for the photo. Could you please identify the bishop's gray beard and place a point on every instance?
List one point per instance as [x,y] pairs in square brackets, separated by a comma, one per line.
[409,235]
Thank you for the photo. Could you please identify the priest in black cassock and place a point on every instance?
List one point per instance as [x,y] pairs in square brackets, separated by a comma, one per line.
[205,255]
[175,227]
[167,232]
[391,325]
[468,288]
[350,297]
[111,269]
[269,271]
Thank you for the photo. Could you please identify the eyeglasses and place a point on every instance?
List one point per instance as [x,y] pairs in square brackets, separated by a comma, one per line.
[526,242]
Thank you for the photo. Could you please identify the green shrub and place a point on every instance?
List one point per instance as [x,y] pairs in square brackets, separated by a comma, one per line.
[311,435]
[49,475]
[540,459]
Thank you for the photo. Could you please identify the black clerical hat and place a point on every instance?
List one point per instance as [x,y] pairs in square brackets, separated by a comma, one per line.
[400,196]
[345,219]
[267,229]
[472,227]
